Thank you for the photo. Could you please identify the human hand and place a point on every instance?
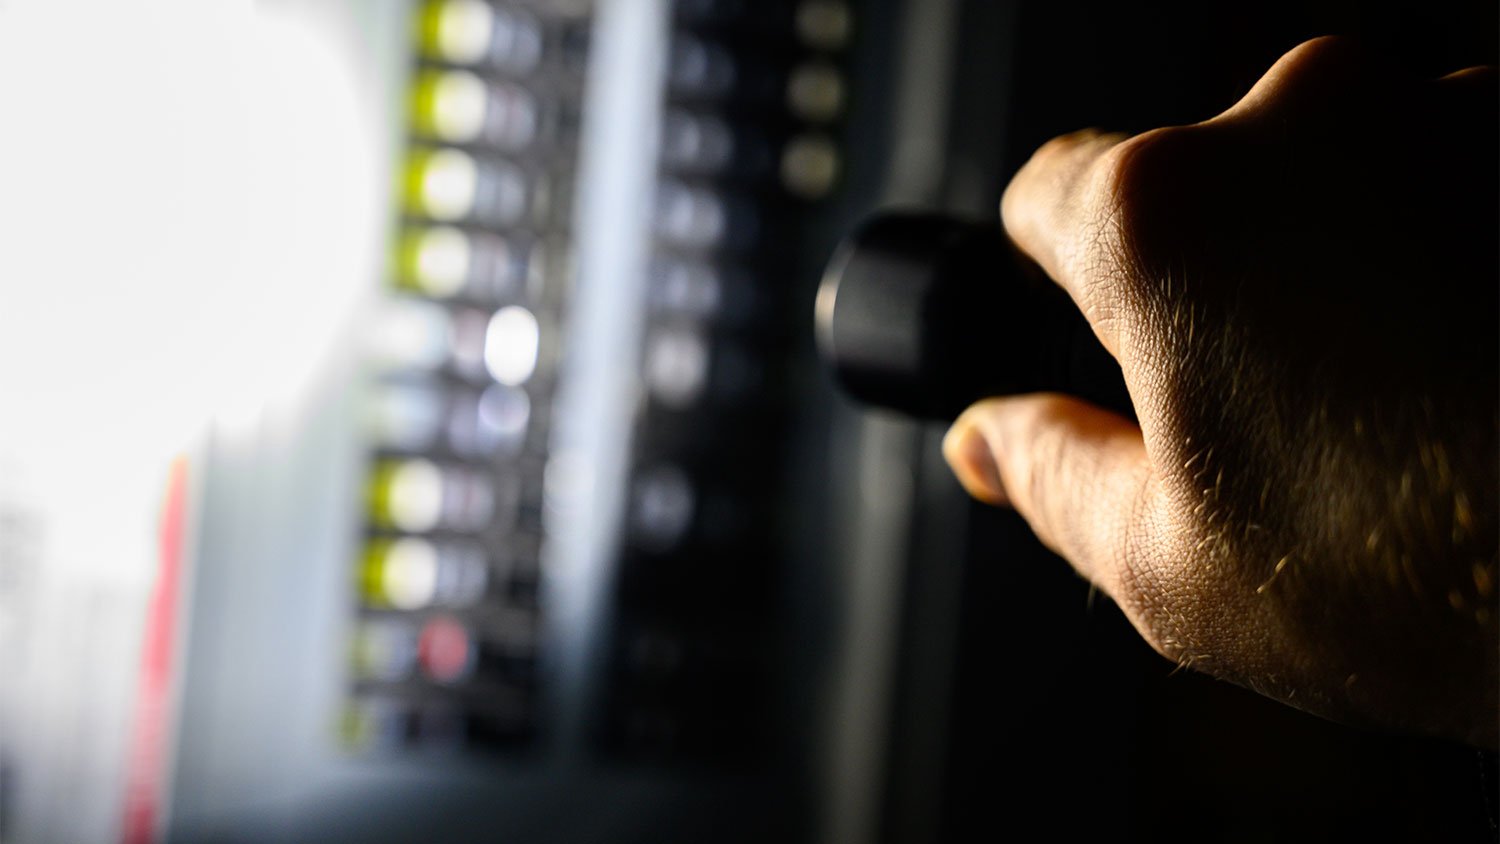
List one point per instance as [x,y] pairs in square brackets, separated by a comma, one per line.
[1302,296]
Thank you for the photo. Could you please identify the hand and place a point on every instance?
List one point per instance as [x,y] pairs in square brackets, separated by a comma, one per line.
[1302,295]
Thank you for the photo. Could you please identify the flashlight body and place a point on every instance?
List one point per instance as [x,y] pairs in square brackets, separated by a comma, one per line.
[925,314]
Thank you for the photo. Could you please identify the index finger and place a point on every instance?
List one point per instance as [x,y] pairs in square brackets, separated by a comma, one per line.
[1057,209]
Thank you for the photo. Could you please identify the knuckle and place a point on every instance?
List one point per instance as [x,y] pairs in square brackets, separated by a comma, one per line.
[1316,57]
[1067,144]
[1147,195]
[1140,178]
[1309,76]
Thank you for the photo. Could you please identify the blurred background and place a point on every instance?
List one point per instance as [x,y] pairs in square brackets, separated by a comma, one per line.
[410,430]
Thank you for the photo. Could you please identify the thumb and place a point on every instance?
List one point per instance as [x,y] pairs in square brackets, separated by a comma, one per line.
[1079,475]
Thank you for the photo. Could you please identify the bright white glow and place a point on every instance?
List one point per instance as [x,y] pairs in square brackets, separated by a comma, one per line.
[414,496]
[622,114]
[443,259]
[213,253]
[241,189]
[463,30]
[459,101]
[409,573]
[449,184]
[511,345]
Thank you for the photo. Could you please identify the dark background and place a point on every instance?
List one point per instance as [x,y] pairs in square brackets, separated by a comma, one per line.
[1061,718]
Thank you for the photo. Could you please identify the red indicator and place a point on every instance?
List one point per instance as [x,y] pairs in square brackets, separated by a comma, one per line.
[446,650]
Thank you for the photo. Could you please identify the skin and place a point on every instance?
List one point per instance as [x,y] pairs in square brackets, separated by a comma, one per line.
[1302,295]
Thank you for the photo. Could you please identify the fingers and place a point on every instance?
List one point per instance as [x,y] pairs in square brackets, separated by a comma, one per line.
[1308,79]
[1055,210]
[1085,205]
[1472,89]
[1319,75]
[1481,77]
[1079,475]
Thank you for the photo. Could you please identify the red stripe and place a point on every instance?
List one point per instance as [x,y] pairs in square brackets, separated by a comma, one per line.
[147,763]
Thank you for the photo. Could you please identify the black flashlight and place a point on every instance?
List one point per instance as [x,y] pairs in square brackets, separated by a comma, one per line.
[925,313]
